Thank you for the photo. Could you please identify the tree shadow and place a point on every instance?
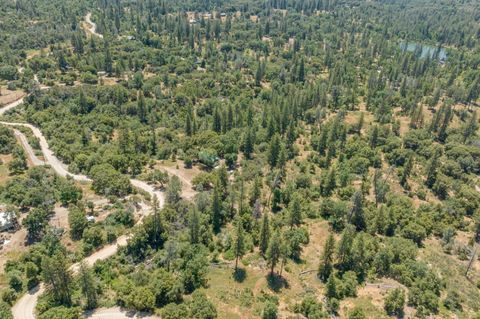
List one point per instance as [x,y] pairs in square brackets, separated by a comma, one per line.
[239,275]
[276,282]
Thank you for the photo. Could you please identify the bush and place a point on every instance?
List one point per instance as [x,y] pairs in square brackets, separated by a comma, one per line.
[174,311]
[453,301]
[394,302]
[201,308]
[61,313]
[357,313]
[270,311]
[5,312]
[415,232]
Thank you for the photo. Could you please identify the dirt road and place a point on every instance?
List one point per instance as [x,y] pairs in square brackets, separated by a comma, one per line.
[28,149]
[25,306]
[93,26]
[117,313]
[50,158]
[10,106]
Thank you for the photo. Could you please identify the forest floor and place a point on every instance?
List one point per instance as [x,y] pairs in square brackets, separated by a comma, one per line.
[186,175]
[4,173]
[245,298]
[452,272]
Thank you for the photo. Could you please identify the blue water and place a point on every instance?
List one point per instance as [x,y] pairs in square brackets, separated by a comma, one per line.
[424,50]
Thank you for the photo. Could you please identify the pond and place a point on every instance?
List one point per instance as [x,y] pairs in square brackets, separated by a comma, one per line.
[424,50]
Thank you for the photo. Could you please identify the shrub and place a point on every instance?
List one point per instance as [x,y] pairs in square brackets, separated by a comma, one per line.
[394,302]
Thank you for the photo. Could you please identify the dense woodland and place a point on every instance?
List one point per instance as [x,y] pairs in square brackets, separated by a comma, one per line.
[336,143]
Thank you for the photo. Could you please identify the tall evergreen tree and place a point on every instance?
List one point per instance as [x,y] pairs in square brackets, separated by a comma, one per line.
[264,234]
[407,169]
[216,209]
[58,278]
[344,249]
[194,227]
[87,285]
[217,120]
[331,287]
[239,244]
[141,107]
[295,211]
[274,150]
[274,251]
[357,214]
[326,264]
[432,169]
[248,143]
[471,127]
[108,60]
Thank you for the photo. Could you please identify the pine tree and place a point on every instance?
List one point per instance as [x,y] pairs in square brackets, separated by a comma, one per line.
[108,60]
[229,120]
[188,125]
[256,190]
[357,214]
[239,245]
[359,125]
[380,187]
[301,71]
[295,212]
[87,285]
[274,151]
[442,133]
[217,120]
[331,287]
[258,74]
[248,143]
[322,142]
[264,234]
[407,169]
[141,107]
[82,102]
[194,226]
[326,264]
[156,232]
[380,224]
[62,62]
[471,127]
[216,209]
[274,251]
[374,137]
[344,250]
[282,158]
[329,182]
[432,170]
[153,142]
[58,278]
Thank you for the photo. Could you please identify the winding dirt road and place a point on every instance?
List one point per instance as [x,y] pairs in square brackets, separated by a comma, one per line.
[28,149]
[25,306]
[93,26]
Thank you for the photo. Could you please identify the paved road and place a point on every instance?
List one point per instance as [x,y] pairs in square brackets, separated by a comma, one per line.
[25,306]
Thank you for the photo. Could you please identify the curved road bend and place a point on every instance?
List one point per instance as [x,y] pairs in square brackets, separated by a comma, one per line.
[93,25]
[24,308]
